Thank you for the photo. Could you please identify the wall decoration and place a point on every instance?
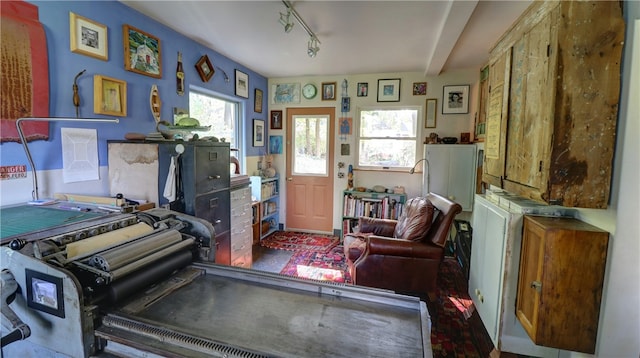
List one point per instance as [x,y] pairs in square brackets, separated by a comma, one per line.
[109,96]
[88,37]
[455,99]
[242,84]
[275,144]
[258,133]
[205,68]
[430,113]
[285,93]
[328,91]
[363,89]
[419,88]
[257,101]
[276,119]
[389,90]
[346,125]
[142,52]
[346,104]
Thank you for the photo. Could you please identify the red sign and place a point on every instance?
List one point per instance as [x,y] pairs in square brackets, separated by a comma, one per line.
[13,172]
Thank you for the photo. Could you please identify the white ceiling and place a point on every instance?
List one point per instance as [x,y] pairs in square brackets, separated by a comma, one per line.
[357,37]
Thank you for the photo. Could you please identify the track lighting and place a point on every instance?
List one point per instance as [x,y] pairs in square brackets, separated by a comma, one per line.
[312,46]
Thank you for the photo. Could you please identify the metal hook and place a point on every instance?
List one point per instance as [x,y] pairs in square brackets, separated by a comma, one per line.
[76,96]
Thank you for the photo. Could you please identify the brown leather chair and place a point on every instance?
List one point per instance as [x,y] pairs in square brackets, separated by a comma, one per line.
[404,255]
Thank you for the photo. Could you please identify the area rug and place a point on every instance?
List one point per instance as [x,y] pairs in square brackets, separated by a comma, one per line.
[300,241]
[318,273]
[334,259]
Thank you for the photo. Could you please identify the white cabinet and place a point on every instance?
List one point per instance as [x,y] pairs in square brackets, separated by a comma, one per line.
[241,232]
[493,277]
[451,172]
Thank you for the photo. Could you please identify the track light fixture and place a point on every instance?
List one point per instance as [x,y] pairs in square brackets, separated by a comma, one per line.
[312,46]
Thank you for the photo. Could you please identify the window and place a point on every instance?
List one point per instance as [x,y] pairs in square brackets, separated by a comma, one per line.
[310,145]
[387,137]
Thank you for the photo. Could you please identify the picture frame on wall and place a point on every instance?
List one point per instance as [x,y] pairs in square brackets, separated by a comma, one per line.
[109,96]
[455,99]
[283,93]
[257,101]
[329,91]
[430,113]
[389,90]
[258,133]
[242,84]
[205,68]
[275,144]
[363,89]
[276,119]
[88,37]
[142,53]
[419,88]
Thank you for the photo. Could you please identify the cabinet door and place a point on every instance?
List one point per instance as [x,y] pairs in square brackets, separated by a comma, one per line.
[451,172]
[496,126]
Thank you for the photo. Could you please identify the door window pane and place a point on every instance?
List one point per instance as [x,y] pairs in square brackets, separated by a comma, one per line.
[310,145]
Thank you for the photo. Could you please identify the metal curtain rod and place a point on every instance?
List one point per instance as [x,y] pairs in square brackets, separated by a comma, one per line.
[34,193]
[304,25]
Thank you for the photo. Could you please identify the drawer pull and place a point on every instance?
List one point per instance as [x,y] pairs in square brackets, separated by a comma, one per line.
[214,177]
[218,222]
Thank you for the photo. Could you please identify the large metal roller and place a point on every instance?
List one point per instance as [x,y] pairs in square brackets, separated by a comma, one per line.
[117,257]
[156,256]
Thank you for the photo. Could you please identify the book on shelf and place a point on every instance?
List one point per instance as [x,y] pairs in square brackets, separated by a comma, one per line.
[381,208]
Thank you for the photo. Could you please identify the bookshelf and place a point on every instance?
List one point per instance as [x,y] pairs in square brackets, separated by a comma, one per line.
[370,204]
[266,193]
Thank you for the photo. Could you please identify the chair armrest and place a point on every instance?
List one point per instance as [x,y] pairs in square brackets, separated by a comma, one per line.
[377,245]
[379,227]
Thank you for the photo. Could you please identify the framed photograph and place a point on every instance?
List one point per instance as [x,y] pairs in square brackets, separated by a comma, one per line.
[328,91]
[389,90]
[283,93]
[258,133]
[276,119]
[205,68]
[242,84]
[109,96]
[419,88]
[363,89]
[142,52]
[275,144]
[88,37]
[430,113]
[257,101]
[455,99]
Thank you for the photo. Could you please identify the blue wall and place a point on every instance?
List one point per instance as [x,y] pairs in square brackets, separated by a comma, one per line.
[65,65]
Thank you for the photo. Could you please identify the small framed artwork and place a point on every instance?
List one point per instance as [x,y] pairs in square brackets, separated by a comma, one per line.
[275,144]
[257,101]
[205,68]
[363,89]
[430,113]
[242,84]
[419,88]
[88,37]
[109,96]
[258,133]
[276,119]
[346,104]
[285,93]
[455,99]
[328,91]
[389,90]
[142,52]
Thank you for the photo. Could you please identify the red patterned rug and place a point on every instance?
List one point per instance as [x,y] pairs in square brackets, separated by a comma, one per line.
[300,241]
[331,265]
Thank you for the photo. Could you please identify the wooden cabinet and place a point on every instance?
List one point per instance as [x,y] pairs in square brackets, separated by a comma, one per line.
[562,267]
[266,192]
[481,117]
[451,172]
[552,111]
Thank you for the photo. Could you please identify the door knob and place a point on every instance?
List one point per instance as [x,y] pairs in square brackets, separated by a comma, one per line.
[289,179]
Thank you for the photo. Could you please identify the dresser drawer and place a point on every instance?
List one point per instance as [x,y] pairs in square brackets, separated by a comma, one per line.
[240,197]
[212,171]
[241,213]
[214,208]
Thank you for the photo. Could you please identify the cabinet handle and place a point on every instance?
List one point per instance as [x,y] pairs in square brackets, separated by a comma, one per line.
[289,179]
[214,177]
[537,285]
[217,222]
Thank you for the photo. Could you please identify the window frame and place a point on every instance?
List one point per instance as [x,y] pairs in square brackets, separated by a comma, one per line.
[358,137]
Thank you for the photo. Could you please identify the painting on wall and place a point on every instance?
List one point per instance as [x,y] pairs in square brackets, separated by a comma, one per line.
[88,37]
[285,93]
[142,52]
[109,96]
[389,90]
[258,133]
[275,144]
[242,84]
[455,99]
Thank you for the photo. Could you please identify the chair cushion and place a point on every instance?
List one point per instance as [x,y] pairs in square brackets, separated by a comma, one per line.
[415,221]
[354,246]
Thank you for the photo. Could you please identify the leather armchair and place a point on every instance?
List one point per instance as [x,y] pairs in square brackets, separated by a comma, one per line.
[404,255]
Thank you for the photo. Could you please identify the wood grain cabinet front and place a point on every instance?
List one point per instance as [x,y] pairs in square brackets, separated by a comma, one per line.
[562,265]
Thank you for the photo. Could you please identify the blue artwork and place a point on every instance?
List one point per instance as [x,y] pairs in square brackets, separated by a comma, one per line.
[275,144]
[285,93]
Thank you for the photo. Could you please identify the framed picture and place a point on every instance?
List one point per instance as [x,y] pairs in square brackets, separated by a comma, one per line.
[419,88]
[455,99]
[363,89]
[88,37]
[257,101]
[258,133]
[389,90]
[142,52]
[276,119]
[285,93]
[109,96]
[430,113]
[329,91]
[242,84]
[205,68]
[275,144]
[346,104]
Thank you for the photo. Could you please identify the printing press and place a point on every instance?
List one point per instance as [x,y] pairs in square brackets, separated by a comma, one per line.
[144,284]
